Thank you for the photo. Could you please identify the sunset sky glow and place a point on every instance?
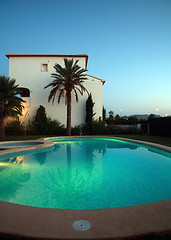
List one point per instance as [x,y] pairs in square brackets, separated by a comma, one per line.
[128,43]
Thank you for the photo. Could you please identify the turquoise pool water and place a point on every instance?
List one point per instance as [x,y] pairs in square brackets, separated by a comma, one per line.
[86,173]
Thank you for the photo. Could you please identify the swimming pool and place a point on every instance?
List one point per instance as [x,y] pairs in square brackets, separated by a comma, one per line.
[87,173]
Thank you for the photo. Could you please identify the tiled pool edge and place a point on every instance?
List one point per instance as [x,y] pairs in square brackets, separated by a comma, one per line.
[19,149]
[114,223]
[156,145]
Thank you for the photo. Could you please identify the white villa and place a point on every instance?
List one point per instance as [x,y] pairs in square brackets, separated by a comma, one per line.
[33,72]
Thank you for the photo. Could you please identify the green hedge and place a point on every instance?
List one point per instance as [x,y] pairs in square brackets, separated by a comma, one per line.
[13,127]
[160,126]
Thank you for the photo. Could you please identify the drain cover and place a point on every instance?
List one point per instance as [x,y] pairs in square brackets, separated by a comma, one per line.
[81,225]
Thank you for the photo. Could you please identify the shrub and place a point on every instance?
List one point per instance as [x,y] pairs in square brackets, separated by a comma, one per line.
[45,125]
[77,130]
[160,126]
[40,121]
[98,127]
[54,127]
[110,121]
[13,127]
[115,129]
[132,120]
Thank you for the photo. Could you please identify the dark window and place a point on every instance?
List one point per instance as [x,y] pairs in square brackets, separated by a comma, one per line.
[24,92]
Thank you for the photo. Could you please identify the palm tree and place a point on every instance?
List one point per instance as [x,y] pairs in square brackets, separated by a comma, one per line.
[66,80]
[10,104]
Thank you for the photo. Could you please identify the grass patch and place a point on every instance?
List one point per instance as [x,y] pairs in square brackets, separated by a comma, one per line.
[155,139]
[29,137]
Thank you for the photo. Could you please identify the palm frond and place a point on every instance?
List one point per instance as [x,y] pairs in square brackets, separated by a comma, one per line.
[10,104]
[76,94]
[83,88]
[60,94]
[68,78]
[80,90]
[52,94]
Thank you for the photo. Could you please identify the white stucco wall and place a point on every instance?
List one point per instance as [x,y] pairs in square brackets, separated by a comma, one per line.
[28,74]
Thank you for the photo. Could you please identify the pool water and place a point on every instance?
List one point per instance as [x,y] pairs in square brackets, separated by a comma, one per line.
[86,173]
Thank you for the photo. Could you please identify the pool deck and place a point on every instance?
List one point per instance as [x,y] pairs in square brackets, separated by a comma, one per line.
[114,223]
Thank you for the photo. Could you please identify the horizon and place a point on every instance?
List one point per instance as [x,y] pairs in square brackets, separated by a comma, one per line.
[128,44]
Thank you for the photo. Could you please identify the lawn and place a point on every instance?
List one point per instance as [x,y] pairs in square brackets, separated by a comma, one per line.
[29,137]
[155,139]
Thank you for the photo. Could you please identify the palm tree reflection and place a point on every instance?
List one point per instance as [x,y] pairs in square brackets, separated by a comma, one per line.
[81,175]
[74,181]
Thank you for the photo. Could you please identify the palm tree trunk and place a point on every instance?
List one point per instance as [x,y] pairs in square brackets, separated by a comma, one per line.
[68,131]
[2,128]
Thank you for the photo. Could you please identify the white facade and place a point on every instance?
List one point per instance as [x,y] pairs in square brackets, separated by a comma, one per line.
[34,73]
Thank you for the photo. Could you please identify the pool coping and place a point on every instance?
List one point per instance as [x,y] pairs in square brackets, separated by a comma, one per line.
[113,223]
[5,150]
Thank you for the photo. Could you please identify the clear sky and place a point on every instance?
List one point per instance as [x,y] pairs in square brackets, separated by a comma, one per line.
[128,43]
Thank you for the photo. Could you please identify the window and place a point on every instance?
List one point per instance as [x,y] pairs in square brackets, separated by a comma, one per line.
[45,67]
[24,93]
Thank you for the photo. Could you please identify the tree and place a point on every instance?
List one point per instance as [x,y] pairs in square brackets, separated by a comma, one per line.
[110,120]
[151,116]
[40,120]
[104,114]
[111,114]
[133,120]
[67,79]
[117,118]
[89,111]
[10,104]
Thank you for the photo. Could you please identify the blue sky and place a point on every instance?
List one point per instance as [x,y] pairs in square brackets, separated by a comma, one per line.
[128,43]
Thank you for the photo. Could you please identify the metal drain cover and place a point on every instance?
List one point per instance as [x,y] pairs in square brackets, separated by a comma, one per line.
[81,225]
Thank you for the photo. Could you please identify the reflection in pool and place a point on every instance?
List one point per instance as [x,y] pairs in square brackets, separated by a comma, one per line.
[87,173]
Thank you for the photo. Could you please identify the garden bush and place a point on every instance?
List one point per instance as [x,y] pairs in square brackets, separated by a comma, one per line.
[54,127]
[45,125]
[77,130]
[39,123]
[160,126]
[14,127]
[115,129]
[98,127]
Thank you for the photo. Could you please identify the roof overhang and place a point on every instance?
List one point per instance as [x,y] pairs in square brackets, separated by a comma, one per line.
[103,81]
